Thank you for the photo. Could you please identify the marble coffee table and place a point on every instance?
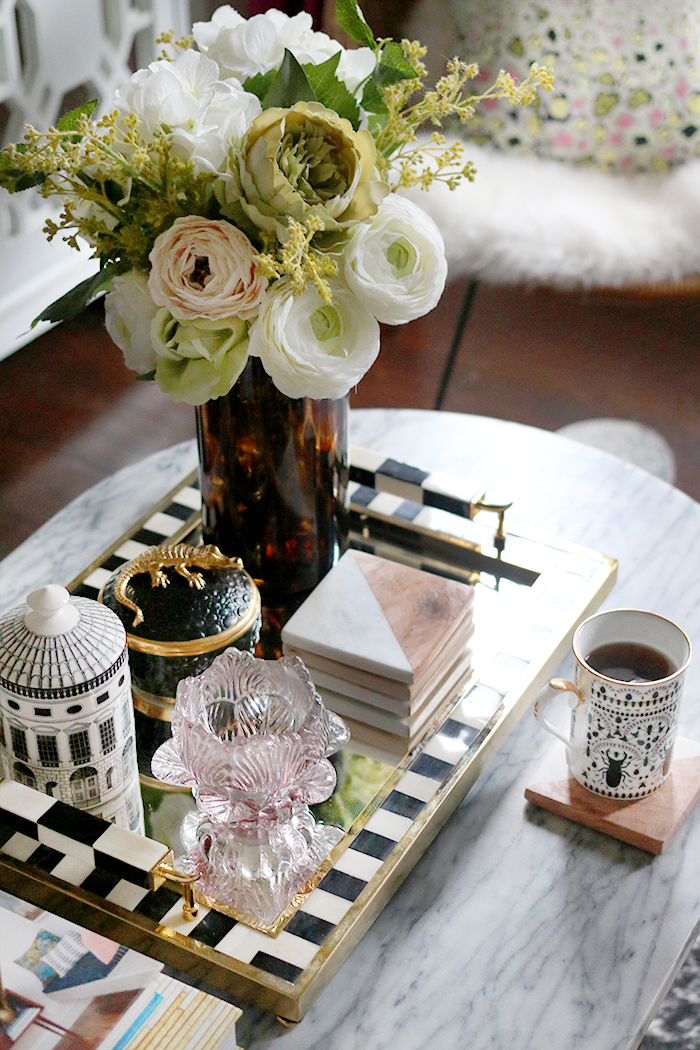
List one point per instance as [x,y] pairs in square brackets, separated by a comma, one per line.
[516,928]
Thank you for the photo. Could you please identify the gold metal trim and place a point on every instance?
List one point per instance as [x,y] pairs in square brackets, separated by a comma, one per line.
[185,883]
[287,999]
[155,877]
[159,707]
[272,929]
[198,646]
[478,504]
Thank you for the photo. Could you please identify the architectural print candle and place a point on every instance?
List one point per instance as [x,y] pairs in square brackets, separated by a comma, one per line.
[67,722]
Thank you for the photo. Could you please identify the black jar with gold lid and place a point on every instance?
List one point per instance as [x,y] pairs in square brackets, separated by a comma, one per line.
[181,606]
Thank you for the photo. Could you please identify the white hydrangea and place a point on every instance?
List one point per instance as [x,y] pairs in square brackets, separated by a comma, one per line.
[244,47]
[395,263]
[311,348]
[221,125]
[205,116]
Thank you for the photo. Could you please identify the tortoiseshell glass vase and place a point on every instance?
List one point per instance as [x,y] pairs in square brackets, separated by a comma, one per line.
[274,475]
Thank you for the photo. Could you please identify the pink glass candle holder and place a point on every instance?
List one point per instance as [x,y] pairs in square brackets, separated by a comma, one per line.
[251,738]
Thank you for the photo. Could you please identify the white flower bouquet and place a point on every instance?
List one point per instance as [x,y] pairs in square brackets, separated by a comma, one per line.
[243,198]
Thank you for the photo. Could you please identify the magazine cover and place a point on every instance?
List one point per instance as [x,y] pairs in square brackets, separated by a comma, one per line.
[66,988]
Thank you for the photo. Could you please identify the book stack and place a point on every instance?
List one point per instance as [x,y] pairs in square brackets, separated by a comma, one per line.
[385,645]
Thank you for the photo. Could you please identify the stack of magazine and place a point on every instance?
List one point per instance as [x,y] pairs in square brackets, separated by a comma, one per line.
[66,988]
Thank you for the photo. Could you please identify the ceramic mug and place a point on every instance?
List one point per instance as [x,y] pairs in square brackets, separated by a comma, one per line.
[630,666]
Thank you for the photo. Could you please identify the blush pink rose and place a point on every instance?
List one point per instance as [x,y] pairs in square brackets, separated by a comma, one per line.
[205,268]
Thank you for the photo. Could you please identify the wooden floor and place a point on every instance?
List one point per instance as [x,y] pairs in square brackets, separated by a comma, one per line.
[71,413]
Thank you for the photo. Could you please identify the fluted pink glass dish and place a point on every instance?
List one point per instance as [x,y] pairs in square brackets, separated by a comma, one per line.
[252,739]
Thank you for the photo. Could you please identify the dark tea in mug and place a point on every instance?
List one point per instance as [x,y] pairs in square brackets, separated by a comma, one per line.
[630,662]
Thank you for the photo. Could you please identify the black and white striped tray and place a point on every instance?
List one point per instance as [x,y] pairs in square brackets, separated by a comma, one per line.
[528,601]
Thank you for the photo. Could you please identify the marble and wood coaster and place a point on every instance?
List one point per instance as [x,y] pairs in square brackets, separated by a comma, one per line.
[389,619]
[406,730]
[385,643]
[397,697]
[649,823]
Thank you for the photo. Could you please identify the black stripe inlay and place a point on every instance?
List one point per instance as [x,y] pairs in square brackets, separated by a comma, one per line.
[407,511]
[458,731]
[310,927]
[452,504]
[14,822]
[434,768]
[85,590]
[179,511]
[122,869]
[5,834]
[113,562]
[363,496]
[404,805]
[212,928]
[99,882]
[362,476]
[73,823]
[373,845]
[391,468]
[156,905]
[46,858]
[277,967]
[149,537]
[342,885]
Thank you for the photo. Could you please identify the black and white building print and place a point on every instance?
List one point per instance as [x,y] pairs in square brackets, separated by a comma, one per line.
[67,723]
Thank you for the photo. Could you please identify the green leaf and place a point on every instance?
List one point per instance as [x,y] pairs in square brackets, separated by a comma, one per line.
[260,84]
[393,66]
[289,86]
[147,377]
[69,121]
[74,302]
[330,91]
[372,99]
[353,22]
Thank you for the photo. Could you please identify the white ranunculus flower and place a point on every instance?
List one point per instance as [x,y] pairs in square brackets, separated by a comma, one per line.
[395,263]
[129,311]
[198,360]
[311,348]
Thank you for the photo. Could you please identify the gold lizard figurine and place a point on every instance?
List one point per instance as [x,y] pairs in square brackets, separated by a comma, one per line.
[179,557]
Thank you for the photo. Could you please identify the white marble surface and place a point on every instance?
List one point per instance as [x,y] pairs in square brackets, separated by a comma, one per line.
[517,928]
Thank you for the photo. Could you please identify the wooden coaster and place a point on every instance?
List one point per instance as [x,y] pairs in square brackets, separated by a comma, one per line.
[649,823]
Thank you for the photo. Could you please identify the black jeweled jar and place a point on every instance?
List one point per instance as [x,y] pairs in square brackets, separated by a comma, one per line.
[181,606]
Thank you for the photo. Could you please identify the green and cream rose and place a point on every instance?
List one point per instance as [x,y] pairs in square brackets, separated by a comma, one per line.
[307,161]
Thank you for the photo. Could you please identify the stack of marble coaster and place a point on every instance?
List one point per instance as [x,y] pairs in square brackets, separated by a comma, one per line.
[385,644]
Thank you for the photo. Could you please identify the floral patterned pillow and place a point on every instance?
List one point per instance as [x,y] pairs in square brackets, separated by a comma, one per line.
[627,78]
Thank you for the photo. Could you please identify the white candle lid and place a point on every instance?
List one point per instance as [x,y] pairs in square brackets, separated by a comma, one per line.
[50,611]
[58,641]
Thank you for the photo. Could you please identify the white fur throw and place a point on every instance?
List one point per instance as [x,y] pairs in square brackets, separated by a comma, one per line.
[545,222]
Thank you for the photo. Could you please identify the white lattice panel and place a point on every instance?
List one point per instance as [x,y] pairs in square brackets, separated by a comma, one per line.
[54,55]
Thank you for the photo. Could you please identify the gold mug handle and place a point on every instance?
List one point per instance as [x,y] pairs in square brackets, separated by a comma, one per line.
[557,685]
